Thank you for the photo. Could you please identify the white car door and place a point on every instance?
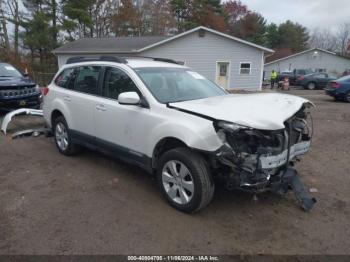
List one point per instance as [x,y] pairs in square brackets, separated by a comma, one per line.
[80,97]
[119,126]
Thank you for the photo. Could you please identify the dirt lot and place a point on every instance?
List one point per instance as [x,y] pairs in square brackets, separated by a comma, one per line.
[89,204]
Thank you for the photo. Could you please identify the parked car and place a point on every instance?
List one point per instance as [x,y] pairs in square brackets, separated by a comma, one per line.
[178,125]
[316,80]
[293,76]
[339,89]
[17,90]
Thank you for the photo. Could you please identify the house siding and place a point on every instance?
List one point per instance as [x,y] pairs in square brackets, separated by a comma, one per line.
[202,53]
[332,63]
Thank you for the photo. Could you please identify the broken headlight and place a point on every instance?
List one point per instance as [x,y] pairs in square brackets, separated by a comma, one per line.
[243,139]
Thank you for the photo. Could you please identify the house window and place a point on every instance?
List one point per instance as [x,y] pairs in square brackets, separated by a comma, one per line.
[245,69]
[223,69]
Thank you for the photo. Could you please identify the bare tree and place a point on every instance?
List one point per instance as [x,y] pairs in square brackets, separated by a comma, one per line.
[4,37]
[102,12]
[344,37]
[13,7]
[324,39]
[157,15]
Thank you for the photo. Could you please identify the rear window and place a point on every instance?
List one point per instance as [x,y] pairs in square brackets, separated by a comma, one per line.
[64,77]
[87,79]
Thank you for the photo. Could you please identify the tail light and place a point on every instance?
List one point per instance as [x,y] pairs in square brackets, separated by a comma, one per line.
[334,84]
[45,90]
[300,77]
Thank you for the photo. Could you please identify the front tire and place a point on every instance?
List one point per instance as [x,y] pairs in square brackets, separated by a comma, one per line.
[62,137]
[185,180]
[347,97]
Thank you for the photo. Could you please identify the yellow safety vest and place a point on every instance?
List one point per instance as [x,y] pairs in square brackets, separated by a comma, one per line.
[273,75]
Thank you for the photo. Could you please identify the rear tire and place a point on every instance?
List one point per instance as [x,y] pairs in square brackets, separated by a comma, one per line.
[62,137]
[185,180]
[311,86]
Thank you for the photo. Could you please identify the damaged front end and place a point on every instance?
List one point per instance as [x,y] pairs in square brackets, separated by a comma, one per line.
[261,160]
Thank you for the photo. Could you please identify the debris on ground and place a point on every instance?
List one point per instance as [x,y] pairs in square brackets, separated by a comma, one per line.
[22,111]
[313,190]
[32,132]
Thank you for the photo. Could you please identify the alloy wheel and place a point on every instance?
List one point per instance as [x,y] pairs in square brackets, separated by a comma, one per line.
[311,86]
[178,182]
[61,136]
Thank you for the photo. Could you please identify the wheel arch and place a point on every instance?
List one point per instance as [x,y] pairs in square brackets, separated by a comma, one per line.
[163,145]
[59,108]
[54,114]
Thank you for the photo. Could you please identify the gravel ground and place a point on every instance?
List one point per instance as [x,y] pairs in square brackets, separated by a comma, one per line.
[90,204]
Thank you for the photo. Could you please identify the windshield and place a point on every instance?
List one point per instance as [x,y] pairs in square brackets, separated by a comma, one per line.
[7,70]
[177,84]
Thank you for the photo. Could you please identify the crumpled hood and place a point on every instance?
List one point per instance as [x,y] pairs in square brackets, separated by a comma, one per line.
[264,111]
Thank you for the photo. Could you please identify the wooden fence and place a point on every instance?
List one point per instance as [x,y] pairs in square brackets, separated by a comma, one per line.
[42,79]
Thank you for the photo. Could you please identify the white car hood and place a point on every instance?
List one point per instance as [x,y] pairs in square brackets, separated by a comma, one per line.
[265,111]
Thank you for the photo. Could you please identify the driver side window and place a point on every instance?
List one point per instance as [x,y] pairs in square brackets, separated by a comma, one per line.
[116,82]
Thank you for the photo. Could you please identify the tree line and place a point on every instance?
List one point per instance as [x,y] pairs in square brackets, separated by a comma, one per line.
[31,29]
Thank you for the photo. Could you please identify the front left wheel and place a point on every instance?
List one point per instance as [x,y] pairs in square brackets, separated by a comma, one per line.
[185,180]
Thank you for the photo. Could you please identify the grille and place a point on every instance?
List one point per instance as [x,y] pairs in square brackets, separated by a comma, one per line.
[17,91]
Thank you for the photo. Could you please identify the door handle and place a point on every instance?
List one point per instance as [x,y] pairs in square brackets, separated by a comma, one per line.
[67,98]
[101,108]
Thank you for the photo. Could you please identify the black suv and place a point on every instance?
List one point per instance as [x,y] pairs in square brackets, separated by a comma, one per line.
[17,90]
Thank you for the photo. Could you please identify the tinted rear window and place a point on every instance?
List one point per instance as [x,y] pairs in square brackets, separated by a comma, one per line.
[87,79]
[63,78]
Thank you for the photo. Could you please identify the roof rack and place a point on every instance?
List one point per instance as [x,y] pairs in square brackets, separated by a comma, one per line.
[166,60]
[80,59]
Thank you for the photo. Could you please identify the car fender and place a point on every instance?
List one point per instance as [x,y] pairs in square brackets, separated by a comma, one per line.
[198,136]
[58,104]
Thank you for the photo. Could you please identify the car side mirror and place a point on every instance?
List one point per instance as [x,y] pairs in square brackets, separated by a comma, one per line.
[129,98]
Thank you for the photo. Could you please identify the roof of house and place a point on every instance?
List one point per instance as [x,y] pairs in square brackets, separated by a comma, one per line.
[301,53]
[109,44]
[135,44]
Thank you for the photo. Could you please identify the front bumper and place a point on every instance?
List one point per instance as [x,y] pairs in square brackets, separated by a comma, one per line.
[275,161]
[32,101]
[336,93]
[276,180]
[290,179]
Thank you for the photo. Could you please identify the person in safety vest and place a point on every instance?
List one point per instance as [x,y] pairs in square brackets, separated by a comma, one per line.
[273,78]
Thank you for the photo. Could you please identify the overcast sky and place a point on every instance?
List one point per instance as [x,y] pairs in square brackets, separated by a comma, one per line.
[310,13]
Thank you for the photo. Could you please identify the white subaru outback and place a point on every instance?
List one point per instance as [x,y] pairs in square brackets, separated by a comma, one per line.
[176,124]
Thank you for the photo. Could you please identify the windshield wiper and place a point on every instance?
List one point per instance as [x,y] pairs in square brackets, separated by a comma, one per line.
[6,76]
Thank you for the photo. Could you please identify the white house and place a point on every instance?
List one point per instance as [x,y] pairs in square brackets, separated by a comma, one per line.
[318,60]
[229,61]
